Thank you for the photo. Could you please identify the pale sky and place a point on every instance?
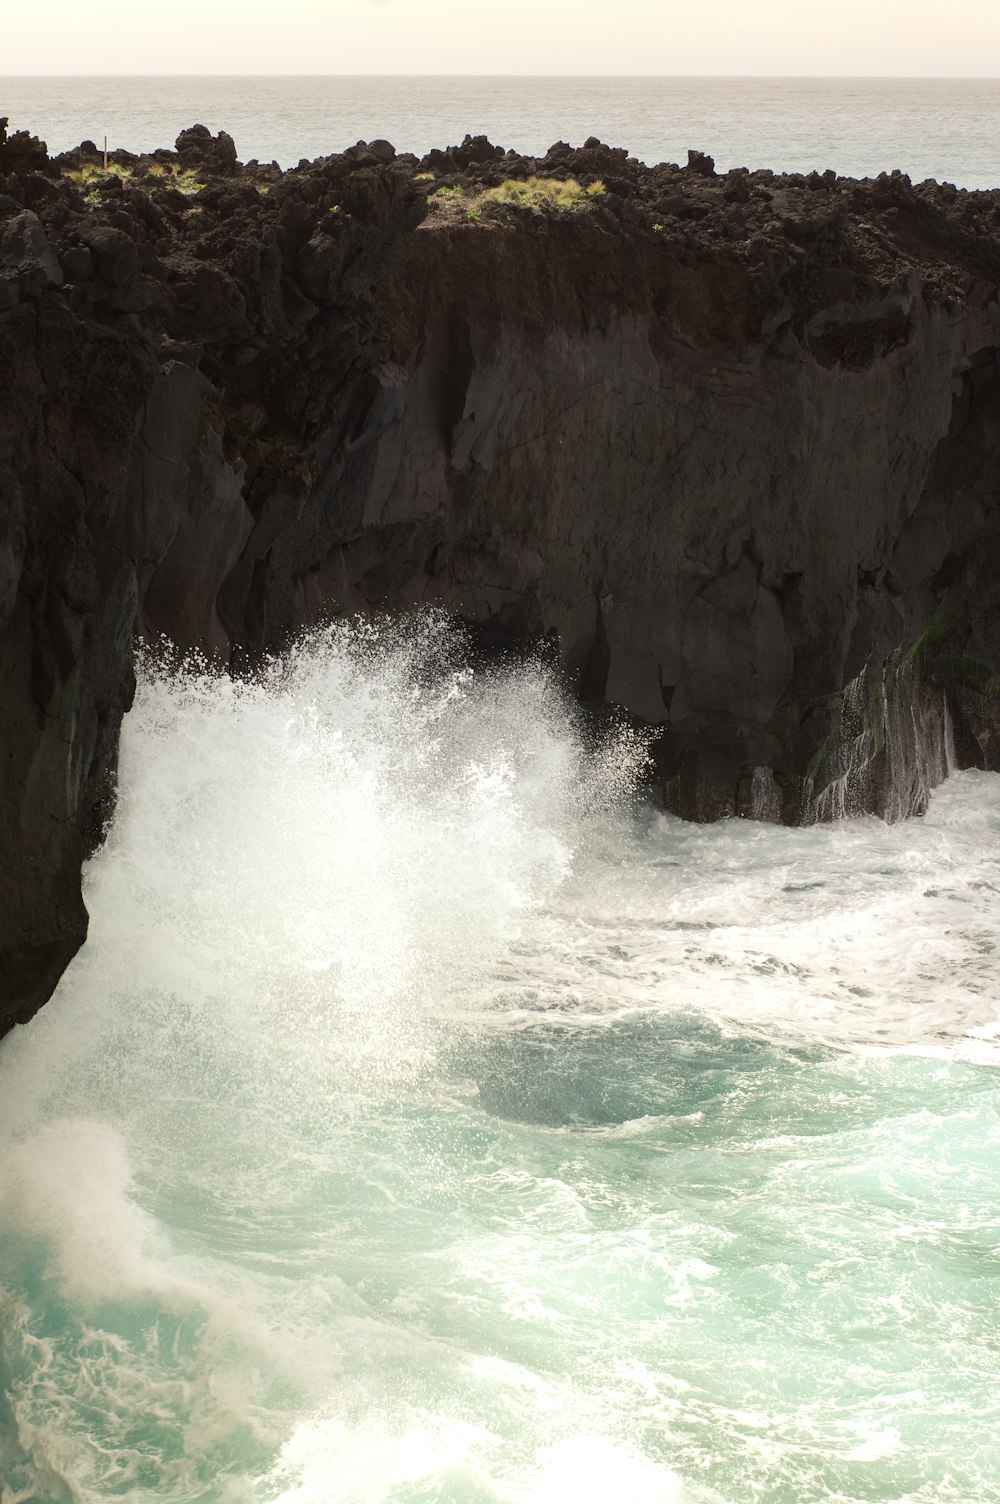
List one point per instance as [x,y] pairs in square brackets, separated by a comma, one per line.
[833,37]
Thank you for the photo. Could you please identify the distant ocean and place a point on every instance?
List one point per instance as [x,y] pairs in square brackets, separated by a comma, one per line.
[940,128]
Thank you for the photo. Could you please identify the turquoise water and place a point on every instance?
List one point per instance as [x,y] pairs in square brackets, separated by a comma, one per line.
[428,1120]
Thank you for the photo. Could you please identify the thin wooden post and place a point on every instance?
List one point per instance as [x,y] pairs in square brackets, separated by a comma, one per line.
[105,154]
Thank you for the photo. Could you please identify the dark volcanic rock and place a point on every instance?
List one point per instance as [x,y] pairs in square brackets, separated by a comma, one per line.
[700,163]
[26,257]
[732,441]
[200,151]
[22,152]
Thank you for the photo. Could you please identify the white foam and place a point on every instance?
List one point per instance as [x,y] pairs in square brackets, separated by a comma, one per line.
[253,1186]
[69,1184]
[331,1462]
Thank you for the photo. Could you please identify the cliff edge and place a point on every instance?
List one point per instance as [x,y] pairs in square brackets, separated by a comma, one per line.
[731,442]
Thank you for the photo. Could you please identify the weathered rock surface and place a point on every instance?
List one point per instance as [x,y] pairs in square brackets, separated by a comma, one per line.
[732,441]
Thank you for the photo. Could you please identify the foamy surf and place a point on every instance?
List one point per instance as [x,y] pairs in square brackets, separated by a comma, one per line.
[425,1119]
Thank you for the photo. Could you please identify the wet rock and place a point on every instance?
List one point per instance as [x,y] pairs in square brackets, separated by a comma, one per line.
[730,442]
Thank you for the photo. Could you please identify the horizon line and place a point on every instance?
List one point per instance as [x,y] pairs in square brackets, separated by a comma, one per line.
[762,77]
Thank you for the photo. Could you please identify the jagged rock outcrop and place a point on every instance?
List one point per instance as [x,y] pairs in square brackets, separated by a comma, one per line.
[732,441]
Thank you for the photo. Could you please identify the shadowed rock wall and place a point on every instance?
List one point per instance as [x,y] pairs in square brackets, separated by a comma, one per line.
[733,443]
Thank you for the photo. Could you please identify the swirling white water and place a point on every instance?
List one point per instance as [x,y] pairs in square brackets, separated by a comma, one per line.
[426,1119]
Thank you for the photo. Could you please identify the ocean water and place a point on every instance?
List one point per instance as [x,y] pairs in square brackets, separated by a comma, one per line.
[431,1120]
[937,128]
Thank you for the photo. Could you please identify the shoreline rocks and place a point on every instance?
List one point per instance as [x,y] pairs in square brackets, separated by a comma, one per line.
[731,440]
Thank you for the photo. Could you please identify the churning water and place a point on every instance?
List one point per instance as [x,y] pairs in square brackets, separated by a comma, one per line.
[427,1119]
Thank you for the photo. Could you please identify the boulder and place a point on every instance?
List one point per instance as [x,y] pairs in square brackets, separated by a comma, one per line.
[201,152]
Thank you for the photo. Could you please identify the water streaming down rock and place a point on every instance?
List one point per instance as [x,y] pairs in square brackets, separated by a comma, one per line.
[891,743]
[896,732]
[766,800]
[895,743]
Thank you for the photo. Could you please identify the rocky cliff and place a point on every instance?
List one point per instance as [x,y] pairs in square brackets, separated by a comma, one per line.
[732,442]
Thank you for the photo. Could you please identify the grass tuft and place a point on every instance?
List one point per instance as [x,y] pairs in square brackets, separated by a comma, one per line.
[451,201]
[89,177]
[534,192]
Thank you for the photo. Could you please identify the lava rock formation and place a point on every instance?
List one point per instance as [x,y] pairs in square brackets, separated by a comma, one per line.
[731,442]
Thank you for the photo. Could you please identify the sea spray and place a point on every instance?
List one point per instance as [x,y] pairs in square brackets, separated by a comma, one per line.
[425,1120]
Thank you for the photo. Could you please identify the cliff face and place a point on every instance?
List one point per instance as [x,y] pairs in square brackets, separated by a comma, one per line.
[733,442]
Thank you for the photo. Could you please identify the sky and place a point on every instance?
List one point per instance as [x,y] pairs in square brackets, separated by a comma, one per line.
[826,37]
